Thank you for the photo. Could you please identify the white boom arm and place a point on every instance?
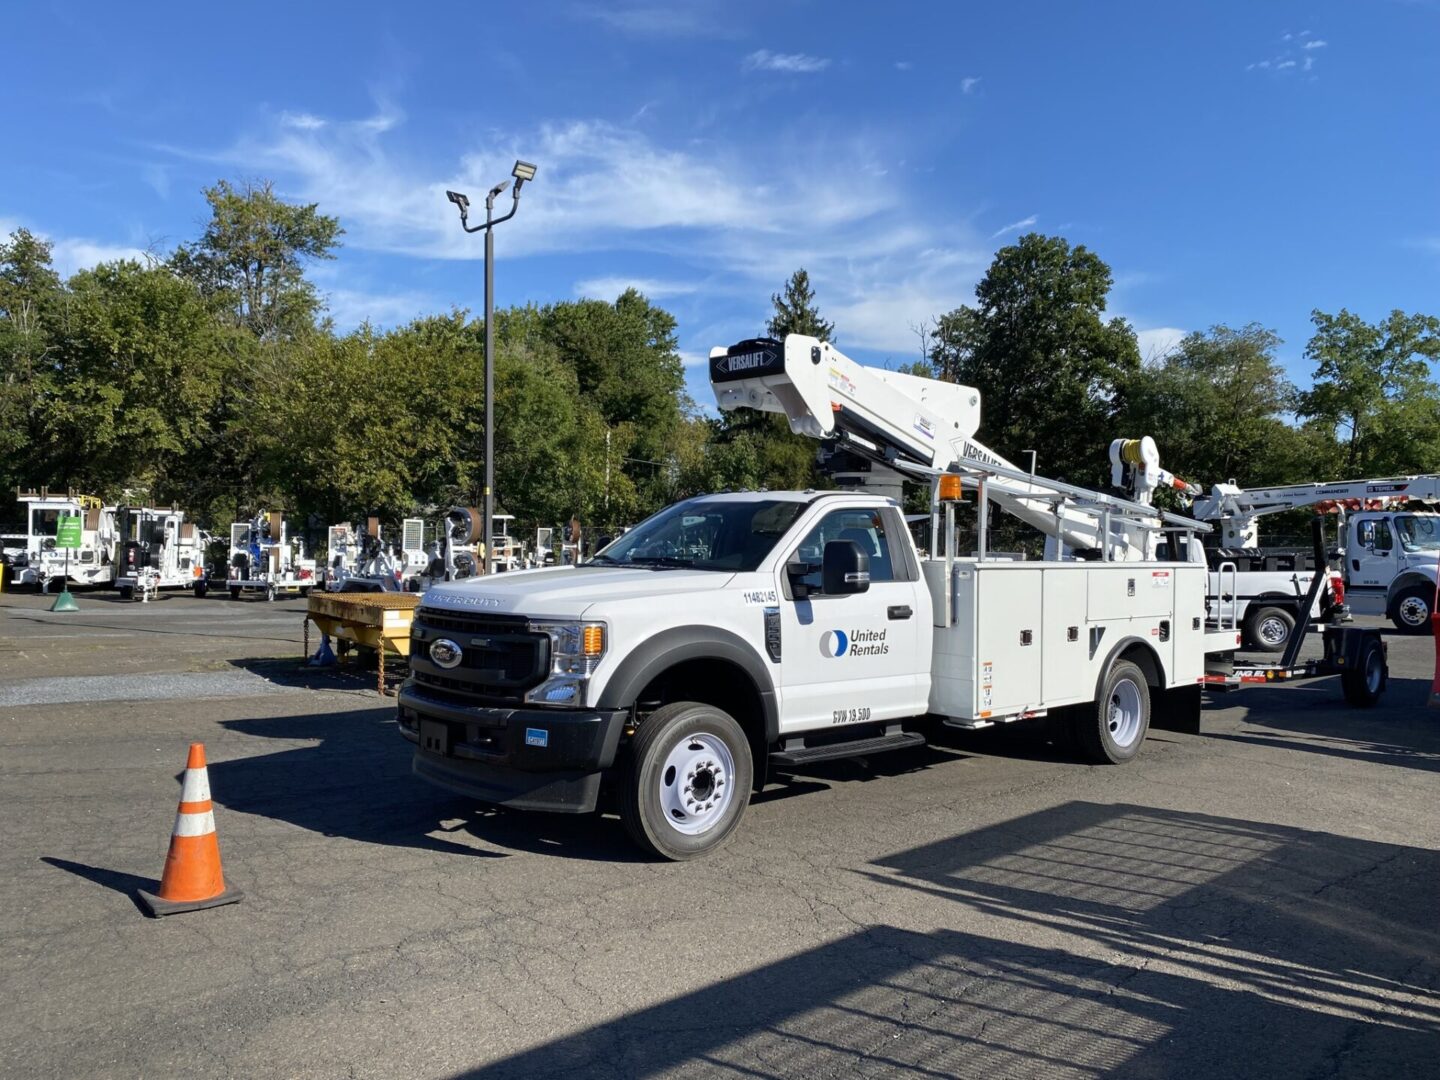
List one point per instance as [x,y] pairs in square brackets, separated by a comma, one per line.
[1238,511]
[917,424]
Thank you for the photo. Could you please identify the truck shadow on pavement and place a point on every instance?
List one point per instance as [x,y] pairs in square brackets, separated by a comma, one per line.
[1400,731]
[356,783]
[1118,940]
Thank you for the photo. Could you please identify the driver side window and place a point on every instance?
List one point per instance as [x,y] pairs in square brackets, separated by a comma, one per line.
[866,528]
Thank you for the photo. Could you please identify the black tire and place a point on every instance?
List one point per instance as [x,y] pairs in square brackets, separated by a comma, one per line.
[1268,629]
[1365,683]
[1412,609]
[234,592]
[201,588]
[1105,737]
[650,778]
[304,591]
[127,592]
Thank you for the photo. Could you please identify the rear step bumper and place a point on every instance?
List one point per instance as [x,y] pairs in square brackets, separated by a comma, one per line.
[807,755]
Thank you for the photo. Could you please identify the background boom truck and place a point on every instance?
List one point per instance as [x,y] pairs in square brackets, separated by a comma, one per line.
[158,549]
[1388,553]
[93,563]
[731,634]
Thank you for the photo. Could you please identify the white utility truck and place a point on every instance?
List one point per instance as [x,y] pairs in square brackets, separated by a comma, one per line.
[263,558]
[158,549]
[1388,553]
[733,634]
[42,563]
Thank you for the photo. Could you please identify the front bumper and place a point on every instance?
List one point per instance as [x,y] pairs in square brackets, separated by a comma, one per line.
[530,759]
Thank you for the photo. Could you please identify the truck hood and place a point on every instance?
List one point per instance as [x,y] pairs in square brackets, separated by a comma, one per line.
[569,591]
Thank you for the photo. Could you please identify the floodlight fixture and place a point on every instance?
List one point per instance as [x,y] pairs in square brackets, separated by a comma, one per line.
[523,171]
[459,199]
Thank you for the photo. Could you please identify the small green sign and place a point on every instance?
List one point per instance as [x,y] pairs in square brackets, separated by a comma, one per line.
[67,532]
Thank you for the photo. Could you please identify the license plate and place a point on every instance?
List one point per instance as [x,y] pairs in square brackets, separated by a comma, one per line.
[434,737]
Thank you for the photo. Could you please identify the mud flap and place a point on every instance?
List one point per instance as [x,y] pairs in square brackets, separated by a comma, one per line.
[1177,710]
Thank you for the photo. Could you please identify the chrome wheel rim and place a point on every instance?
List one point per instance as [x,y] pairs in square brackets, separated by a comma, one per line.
[1272,630]
[1414,611]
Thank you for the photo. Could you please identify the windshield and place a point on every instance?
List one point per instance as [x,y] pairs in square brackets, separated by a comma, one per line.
[707,534]
[1418,533]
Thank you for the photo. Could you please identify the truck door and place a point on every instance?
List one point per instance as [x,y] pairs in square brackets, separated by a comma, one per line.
[1371,564]
[854,657]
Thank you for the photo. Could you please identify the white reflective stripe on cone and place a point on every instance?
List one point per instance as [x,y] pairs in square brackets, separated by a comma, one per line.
[195,824]
[196,787]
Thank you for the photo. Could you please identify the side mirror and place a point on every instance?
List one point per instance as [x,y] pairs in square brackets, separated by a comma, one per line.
[796,572]
[845,569]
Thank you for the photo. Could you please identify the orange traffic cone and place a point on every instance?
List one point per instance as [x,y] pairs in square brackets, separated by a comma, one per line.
[192,877]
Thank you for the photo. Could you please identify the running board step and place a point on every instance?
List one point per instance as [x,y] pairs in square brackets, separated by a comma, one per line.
[807,755]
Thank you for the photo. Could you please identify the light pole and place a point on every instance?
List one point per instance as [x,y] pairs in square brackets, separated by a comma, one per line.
[522,172]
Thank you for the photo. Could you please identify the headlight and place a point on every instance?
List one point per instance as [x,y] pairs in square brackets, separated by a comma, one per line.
[576,650]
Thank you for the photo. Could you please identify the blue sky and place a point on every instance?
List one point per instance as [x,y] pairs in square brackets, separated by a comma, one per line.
[1230,161]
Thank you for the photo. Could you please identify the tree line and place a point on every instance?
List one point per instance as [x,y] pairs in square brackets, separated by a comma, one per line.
[212,378]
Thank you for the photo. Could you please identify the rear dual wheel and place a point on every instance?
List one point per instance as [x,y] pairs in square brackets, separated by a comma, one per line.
[688,780]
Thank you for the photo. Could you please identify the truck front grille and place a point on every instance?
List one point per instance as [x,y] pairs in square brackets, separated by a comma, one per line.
[501,658]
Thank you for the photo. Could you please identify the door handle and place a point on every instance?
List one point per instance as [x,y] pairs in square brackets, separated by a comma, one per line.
[899,611]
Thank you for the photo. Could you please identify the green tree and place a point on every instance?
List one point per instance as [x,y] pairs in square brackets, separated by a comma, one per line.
[1373,389]
[1051,370]
[1217,405]
[795,311]
[31,301]
[135,375]
[252,256]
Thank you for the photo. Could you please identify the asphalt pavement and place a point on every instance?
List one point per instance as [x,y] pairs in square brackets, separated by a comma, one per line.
[1259,900]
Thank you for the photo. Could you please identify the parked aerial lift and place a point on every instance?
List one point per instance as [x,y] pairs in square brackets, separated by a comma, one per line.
[41,563]
[1389,552]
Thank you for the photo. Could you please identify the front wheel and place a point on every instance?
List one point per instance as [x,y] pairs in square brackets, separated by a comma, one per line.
[127,592]
[1110,732]
[688,781]
[201,588]
[1412,609]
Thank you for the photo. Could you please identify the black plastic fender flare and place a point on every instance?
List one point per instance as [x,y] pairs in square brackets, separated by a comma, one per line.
[682,643]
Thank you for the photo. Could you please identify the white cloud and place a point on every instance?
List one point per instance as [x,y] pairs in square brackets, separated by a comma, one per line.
[599,186]
[69,254]
[675,19]
[304,121]
[607,288]
[789,63]
[692,359]
[351,307]
[1015,226]
[1157,342]
[969,83]
[1284,64]
[903,65]
[1315,44]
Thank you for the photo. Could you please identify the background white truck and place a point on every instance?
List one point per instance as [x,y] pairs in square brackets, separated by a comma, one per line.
[1387,553]
[42,563]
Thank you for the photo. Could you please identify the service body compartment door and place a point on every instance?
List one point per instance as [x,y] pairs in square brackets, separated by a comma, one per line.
[1065,673]
[1011,651]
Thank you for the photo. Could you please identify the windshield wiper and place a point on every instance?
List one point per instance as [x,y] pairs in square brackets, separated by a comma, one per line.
[601,558]
[666,561]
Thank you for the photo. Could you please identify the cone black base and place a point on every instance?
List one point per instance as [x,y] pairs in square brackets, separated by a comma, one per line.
[155,906]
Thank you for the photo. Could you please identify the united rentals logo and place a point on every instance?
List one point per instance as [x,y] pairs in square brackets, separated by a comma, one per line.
[838,643]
